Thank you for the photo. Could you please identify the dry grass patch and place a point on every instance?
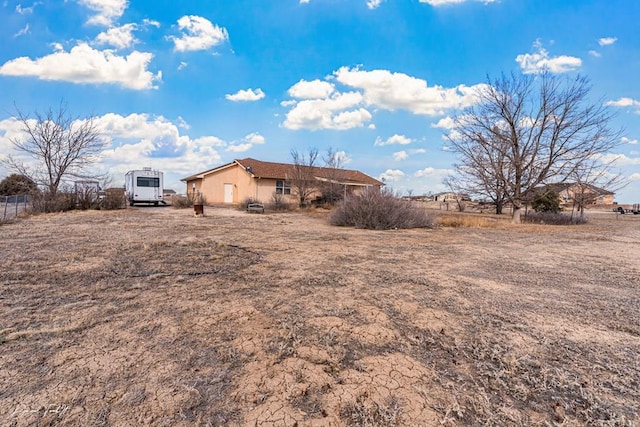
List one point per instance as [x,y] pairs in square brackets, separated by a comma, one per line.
[149,316]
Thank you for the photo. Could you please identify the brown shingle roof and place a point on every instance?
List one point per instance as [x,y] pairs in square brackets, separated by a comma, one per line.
[285,171]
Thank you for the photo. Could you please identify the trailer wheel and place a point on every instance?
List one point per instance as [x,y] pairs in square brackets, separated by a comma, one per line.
[130,203]
[155,203]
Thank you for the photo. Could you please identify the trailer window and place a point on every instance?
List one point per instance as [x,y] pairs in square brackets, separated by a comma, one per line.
[144,181]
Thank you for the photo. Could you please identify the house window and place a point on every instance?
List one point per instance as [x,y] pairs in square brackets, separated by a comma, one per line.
[283,187]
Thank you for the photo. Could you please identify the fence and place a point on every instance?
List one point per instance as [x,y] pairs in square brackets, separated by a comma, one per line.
[11,206]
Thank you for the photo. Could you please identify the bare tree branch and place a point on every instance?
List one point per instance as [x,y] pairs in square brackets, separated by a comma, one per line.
[526,131]
[62,147]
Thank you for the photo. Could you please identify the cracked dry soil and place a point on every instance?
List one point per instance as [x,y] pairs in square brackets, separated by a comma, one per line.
[155,317]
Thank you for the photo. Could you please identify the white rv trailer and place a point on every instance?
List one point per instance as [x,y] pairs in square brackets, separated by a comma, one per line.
[144,186]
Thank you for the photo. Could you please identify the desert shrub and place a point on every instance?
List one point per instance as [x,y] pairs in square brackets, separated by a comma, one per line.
[378,210]
[17,184]
[182,202]
[246,202]
[87,198]
[548,201]
[364,412]
[553,218]
[114,198]
[45,202]
[279,203]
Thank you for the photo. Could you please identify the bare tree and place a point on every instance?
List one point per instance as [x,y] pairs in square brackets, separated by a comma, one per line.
[456,189]
[303,174]
[528,130]
[61,147]
[332,184]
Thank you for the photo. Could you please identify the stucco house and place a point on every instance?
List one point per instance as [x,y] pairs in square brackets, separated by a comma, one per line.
[247,178]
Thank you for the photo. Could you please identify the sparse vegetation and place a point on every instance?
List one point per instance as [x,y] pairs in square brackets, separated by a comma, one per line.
[279,203]
[466,221]
[209,322]
[378,210]
[553,218]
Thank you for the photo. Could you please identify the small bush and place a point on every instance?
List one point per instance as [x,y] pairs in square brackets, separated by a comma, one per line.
[182,202]
[378,210]
[279,203]
[114,198]
[552,218]
[44,202]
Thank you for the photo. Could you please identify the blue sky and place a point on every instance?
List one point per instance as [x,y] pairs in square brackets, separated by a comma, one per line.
[186,86]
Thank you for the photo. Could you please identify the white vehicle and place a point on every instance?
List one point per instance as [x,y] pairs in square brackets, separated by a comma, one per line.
[144,186]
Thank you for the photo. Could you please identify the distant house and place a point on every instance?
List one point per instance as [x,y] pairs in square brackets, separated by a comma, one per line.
[242,179]
[576,193]
[449,196]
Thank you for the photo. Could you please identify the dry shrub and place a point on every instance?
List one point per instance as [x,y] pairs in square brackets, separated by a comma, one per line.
[114,198]
[182,202]
[466,221]
[364,412]
[378,210]
[279,203]
[553,218]
[44,202]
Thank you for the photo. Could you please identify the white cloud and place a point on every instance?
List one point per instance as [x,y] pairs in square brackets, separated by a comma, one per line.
[433,173]
[445,123]
[25,10]
[246,143]
[182,65]
[623,102]
[373,4]
[151,22]
[182,124]
[395,139]
[198,33]
[400,155]
[391,175]
[607,41]
[141,139]
[319,105]
[533,63]
[315,89]
[634,177]
[342,157]
[337,112]
[620,159]
[106,11]
[436,3]
[626,140]
[246,95]
[119,37]
[392,91]
[22,32]
[595,53]
[83,64]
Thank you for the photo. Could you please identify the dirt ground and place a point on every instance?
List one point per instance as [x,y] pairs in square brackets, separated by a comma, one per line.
[155,317]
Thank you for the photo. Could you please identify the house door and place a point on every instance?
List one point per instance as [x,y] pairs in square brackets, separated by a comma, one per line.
[228,193]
